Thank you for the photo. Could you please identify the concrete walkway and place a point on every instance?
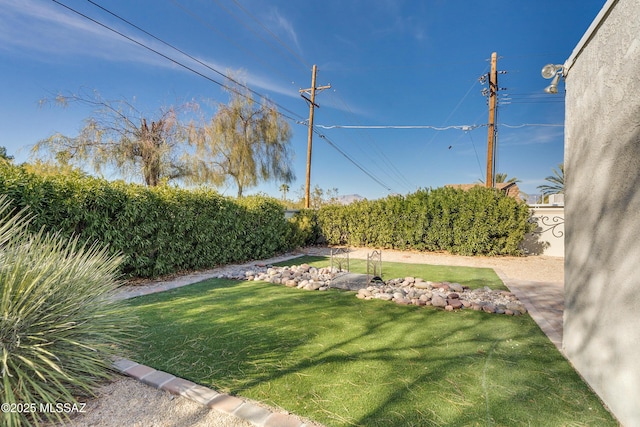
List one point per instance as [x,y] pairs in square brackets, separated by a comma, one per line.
[544,301]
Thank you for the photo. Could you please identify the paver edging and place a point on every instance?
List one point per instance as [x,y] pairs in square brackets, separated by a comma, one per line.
[222,402]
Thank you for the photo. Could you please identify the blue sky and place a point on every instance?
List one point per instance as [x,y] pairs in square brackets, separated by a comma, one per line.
[389,63]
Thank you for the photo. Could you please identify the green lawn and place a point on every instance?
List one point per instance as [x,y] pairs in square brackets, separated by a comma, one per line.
[342,361]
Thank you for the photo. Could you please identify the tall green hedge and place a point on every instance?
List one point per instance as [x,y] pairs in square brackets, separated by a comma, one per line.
[159,230]
[480,221]
[164,230]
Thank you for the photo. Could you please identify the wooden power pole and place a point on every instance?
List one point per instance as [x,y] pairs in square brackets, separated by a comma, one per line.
[312,103]
[493,102]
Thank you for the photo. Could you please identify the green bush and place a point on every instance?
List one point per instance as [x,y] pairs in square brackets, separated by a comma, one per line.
[480,221]
[303,229]
[160,230]
[59,327]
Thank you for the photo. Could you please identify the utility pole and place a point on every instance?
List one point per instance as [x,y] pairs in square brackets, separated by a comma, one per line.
[312,103]
[491,137]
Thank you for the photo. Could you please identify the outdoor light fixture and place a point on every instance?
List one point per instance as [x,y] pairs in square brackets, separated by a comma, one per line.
[555,72]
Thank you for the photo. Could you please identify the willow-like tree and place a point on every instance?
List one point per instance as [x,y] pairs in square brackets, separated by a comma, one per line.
[118,135]
[4,157]
[246,141]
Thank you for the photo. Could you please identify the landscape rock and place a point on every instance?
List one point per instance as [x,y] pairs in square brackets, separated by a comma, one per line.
[456,287]
[455,303]
[489,308]
[422,285]
[404,291]
[438,301]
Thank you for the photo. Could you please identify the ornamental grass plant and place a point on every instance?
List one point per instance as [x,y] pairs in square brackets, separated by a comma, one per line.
[59,328]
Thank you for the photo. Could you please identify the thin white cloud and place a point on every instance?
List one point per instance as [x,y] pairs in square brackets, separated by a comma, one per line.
[257,82]
[53,34]
[286,26]
[393,21]
[50,33]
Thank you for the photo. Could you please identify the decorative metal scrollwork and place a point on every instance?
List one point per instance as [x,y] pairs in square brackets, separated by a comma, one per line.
[340,259]
[552,223]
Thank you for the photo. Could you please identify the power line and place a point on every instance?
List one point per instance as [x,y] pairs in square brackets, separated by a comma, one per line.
[186,54]
[346,156]
[402,180]
[530,102]
[532,124]
[476,152]
[465,128]
[171,59]
[473,85]
[530,98]
[229,39]
[535,94]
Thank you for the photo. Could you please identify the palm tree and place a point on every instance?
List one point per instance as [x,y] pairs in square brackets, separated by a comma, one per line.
[284,188]
[556,182]
[500,178]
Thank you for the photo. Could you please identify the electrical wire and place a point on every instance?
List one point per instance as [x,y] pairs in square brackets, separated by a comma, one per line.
[356,164]
[473,85]
[532,124]
[496,152]
[476,152]
[530,98]
[171,59]
[390,168]
[208,25]
[465,128]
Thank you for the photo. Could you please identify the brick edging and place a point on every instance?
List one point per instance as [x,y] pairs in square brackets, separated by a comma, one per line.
[256,415]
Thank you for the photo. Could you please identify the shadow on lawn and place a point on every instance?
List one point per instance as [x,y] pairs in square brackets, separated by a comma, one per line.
[311,353]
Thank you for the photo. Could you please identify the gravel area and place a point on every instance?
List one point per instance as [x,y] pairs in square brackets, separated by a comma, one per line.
[127,402]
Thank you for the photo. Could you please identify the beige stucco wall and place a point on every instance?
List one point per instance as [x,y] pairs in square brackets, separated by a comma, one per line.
[548,237]
[602,209]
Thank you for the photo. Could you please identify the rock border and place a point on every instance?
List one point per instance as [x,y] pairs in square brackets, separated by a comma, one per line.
[404,291]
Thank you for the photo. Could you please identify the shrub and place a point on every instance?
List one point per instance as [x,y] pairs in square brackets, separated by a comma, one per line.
[480,221]
[303,229]
[60,327]
[159,230]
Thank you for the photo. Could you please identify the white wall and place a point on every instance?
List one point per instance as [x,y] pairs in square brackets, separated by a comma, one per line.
[602,209]
[548,237]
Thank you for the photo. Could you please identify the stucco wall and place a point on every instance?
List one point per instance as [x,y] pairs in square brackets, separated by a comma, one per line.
[602,210]
[548,237]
